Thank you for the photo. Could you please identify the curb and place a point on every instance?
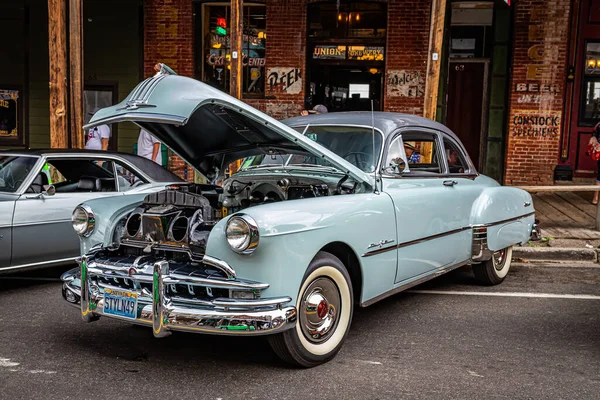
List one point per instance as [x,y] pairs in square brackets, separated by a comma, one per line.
[551,254]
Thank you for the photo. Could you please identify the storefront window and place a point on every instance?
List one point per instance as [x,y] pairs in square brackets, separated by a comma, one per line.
[590,102]
[349,20]
[11,103]
[216,47]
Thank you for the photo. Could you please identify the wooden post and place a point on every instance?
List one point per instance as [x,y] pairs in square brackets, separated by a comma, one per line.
[76,72]
[236,38]
[436,37]
[57,49]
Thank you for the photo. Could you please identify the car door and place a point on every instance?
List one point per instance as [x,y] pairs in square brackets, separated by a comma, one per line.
[425,221]
[462,190]
[7,206]
[42,230]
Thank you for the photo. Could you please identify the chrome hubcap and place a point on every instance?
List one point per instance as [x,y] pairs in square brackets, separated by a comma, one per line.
[320,308]
[499,259]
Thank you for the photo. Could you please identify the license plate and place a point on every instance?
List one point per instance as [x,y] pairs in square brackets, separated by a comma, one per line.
[121,303]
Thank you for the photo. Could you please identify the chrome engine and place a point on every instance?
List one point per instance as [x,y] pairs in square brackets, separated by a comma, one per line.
[243,192]
[177,220]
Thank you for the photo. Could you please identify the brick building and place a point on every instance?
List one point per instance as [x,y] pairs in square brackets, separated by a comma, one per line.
[519,80]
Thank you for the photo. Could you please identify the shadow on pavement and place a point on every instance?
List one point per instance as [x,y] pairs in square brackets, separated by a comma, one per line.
[19,279]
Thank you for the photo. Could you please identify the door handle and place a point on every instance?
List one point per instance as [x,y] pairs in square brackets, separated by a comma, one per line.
[450,183]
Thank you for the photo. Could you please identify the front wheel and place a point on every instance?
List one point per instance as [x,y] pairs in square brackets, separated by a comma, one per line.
[493,271]
[325,307]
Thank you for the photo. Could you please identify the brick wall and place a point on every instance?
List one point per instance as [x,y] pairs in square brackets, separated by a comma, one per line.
[169,38]
[541,30]
[406,55]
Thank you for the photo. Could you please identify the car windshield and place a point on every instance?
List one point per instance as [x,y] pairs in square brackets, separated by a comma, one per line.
[13,171]
[358,145]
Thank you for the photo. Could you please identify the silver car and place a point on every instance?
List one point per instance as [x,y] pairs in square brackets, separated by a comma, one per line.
[40,188]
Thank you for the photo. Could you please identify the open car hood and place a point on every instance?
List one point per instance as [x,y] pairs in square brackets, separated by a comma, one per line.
[208,128]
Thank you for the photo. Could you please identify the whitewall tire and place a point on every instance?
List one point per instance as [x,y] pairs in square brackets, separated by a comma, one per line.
[325,306]
[493,271]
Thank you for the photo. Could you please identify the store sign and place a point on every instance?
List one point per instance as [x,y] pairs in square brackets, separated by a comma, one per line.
[9,115]
[366,53]
[220,60]
[329,53]
[405,83]
[530,123]
[287,80]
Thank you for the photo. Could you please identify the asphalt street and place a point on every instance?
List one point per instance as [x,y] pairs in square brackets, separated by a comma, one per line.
[536,336]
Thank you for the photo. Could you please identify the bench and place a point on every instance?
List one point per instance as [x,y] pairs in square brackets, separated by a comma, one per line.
[567,188]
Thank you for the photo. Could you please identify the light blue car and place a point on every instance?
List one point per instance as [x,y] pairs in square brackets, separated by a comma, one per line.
[329,212]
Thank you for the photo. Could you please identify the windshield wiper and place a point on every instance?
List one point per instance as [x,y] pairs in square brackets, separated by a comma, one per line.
[262,166]
[315,166]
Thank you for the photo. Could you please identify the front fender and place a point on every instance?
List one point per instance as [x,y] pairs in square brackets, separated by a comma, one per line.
[508,214]
[107,212]
[293,232]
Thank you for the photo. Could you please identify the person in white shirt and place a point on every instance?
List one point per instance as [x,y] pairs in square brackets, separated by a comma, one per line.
[98,138]
[148,146]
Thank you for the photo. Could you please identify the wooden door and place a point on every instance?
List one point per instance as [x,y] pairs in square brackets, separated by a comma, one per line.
[465,105]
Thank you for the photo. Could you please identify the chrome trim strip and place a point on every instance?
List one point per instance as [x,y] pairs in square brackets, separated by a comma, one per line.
[416,241]
[416,282]
[505,221]
[58,221]
[263,302]
[139,117]
[40,264]
[107,271]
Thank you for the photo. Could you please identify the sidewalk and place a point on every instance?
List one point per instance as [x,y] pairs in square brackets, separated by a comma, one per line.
[567,221]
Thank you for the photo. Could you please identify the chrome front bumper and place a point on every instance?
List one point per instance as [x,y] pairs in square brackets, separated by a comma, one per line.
[165,312]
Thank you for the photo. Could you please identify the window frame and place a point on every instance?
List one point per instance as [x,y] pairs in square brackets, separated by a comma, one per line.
[199,33]
[585,78]
[470,172]
[20,138]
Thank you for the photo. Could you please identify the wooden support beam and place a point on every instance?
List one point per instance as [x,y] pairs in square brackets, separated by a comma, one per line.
[57,49]
[76,72]
[236,33]
[436,38]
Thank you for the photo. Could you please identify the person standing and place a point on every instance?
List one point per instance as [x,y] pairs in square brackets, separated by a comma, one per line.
[148,146]
[98,137]
[593,150]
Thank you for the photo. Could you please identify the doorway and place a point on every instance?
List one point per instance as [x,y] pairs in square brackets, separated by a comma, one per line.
[345,88]
[466,105]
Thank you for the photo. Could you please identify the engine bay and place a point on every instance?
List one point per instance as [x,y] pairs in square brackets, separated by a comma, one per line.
[180,218]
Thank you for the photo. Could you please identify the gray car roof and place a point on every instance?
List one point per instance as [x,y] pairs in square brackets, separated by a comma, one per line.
[386,122]
[156,172]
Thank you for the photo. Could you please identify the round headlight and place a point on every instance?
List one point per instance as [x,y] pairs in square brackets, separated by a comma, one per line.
[242,234]
[83,220]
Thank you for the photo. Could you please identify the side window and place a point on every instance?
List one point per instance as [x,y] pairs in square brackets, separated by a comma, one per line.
[127,179]
[456,162]
[78,175]
[422,153]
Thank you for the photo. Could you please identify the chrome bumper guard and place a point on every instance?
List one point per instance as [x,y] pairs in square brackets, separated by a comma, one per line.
[536,233]
[166,313]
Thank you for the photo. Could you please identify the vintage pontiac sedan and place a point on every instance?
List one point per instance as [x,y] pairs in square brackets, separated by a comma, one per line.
[328,212]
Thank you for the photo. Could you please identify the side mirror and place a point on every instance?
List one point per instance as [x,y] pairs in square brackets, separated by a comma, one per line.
[49,190]
[397,166]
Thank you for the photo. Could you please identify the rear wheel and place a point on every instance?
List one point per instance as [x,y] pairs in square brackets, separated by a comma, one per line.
[493,271]
[325,307]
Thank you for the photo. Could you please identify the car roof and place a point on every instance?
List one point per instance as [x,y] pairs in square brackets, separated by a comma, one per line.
[386,122]
[156,172]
